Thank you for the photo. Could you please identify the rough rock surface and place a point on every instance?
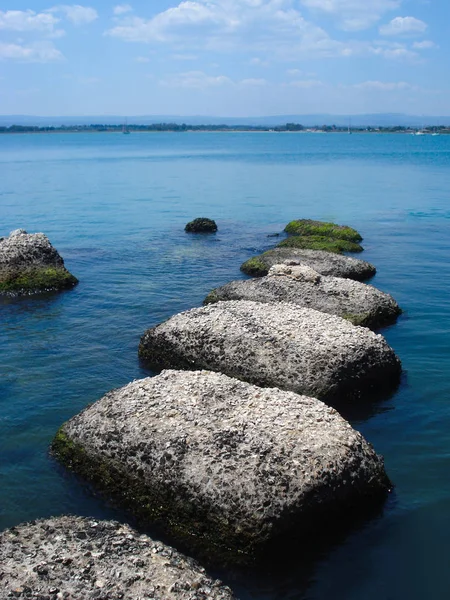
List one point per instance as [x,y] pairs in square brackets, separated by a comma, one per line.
[325,263]
[275,344]
[201,225]
[357,302]
[76,558]
[227,466]
[29,264]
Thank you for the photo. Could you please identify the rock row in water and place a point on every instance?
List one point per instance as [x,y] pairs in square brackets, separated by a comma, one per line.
[357,302]
[276,344]
[29,264]
[224,466]
[325,263]
[84,559]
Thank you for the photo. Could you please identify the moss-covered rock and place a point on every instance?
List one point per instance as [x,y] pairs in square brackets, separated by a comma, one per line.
[317,242]
[29,264]
[323,229]
[201,225]
[325,263]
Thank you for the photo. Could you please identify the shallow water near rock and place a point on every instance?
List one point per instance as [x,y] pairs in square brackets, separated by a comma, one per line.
[115,208]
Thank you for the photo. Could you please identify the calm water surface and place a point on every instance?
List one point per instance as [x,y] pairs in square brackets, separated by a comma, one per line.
[115,207]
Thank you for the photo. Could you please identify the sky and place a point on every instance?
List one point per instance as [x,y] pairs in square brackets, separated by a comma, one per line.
[225,57]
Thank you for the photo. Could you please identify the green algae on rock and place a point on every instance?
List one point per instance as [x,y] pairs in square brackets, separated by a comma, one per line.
[201,225]
[29,265]
[86,559]
[223,466]
[325,263]
[317,242]
[323,229]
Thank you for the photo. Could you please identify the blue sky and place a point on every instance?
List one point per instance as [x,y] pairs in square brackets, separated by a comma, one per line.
[224,57]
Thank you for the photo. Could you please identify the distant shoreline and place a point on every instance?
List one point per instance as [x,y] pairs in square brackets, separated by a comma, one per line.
[174,128]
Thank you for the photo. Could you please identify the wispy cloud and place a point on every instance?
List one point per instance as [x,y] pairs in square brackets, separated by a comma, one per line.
[27,20]
[196,80]
[404,26]
[77,14]
[122,9]
[353,15]
[384,86]
[42,52]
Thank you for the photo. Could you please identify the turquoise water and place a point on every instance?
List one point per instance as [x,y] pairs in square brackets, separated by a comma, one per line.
[115,207]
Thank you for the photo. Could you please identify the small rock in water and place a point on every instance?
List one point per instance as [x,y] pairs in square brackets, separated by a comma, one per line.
[201,225]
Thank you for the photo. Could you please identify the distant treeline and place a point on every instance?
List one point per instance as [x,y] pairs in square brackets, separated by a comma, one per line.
[97,127]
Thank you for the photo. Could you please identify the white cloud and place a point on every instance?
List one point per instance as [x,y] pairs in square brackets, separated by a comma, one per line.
[258,62]
[79,15]
[384,86]
[404,26]
[122,9]
[425,45]
[196,80]
[225,25]
[353,15]
[27,20]
[142,59]
[42,52]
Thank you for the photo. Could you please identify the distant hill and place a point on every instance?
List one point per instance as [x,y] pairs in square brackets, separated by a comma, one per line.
[366,120]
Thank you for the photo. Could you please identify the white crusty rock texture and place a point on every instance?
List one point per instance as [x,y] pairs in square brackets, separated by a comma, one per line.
[226,466]
[30,264]
[325,263]
[75,558]
[357,302]
[275,344]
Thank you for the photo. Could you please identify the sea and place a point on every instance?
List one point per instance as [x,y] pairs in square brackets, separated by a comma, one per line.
[115,207]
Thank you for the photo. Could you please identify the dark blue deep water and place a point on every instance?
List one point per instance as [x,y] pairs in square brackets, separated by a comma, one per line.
[115,207]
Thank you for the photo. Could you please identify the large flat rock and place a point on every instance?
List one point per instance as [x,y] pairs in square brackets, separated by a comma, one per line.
[81,559]
[30,264]
[357,302]
[225,466]
[325,263]
[275,344]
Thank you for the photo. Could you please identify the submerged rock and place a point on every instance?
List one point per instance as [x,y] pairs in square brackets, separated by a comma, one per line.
[201,225]
[275,344]
[325,263]
[322,228]
[357,302]
[317,242]
[223,465]
[30,264]
[82,559]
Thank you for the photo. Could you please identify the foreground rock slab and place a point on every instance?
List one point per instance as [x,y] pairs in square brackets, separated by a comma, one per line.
[225,466]
[29,264]
[275,344]
[357,302]
[325,263]
[82,559]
